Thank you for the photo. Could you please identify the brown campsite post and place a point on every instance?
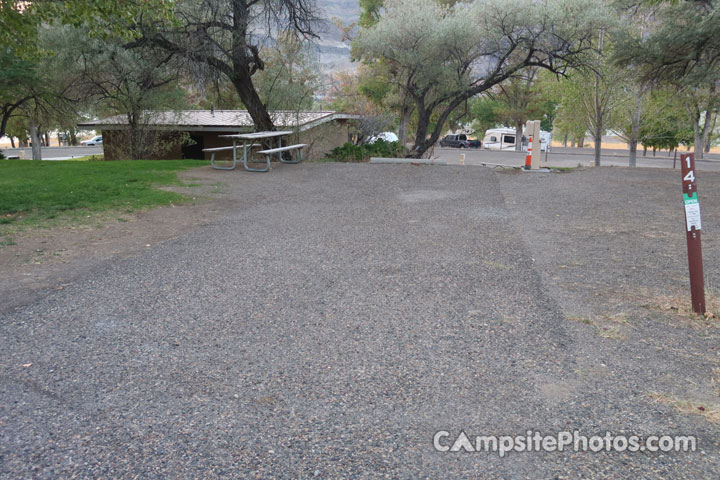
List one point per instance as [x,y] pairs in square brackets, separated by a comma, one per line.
[693,227]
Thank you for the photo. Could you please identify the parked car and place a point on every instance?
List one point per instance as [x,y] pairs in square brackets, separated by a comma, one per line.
[455,141]
[97,140]
[474,143]
[386,136]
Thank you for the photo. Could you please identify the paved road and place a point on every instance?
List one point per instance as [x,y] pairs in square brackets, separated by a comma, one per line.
[566,157]
[326,327]
[54,153]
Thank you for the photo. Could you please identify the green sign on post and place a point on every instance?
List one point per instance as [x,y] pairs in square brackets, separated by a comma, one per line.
[692,211]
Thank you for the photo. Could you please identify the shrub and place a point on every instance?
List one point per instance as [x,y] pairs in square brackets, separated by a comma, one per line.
[362,153]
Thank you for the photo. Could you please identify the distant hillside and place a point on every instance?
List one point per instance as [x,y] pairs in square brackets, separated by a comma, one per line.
[346,10]
[333,54]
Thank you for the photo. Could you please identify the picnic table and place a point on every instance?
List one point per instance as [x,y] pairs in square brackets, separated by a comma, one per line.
[248,143]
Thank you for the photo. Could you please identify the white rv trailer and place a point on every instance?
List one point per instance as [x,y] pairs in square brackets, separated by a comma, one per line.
[504,139]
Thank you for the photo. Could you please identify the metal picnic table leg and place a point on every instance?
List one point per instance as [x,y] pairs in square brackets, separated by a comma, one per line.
[217,167]
[245,161]
[280,154]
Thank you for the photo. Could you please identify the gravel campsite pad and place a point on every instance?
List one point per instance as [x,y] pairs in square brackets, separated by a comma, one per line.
[337,316]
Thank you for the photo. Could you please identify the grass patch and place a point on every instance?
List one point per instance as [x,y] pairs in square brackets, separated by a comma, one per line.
[610,331]
[711,411]
[86,158]
[585,320]
[32,192]
[606,326]
[7,242]
[564,169]
[681,306]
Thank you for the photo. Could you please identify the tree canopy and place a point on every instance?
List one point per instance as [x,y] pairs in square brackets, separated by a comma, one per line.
[442,56]
[225,38]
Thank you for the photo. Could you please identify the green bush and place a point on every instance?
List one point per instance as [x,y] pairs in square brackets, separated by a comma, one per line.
[362,153]
[1,155]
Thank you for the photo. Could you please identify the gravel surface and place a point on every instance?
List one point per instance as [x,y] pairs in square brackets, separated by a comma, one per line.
[568,158]
[337,316]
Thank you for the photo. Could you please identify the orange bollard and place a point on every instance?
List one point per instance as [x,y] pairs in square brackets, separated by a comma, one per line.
[528,157]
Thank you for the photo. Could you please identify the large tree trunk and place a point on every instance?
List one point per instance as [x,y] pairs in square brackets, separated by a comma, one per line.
[405,113]
[632,162]
[35,139]
[599,113]
[242,70]
[256,109]
[635,121]
[598,148]
[423,141]
[421,144]
[134,134]
[518,137]
[12,142]
[698,144]
[708,141]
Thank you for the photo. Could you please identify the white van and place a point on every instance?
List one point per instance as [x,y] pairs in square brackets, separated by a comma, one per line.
[504,139]
[499,139]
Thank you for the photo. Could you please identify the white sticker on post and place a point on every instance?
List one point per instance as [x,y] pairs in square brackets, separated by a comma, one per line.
[692,211]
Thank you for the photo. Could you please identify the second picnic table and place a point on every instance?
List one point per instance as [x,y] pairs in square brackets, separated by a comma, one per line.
[248,142]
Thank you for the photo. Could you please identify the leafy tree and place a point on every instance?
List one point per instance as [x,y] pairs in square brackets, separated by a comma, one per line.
[29,87]
[442,56]
[484,113]
[682,51]
[685,40]
[375,80]
[35,90]
[20,19]
[590,97]
[113,79]
[370,12]
[701,103]
[290,77]
[17,79]
[347,95]
[667,126]
[224,38]
[17,128]
[519,101]
[516,101]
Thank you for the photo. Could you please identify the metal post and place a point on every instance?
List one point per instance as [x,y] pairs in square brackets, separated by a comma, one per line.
[693,227]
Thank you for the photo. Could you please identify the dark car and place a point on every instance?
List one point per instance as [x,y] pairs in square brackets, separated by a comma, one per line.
[455,141]
[474,143]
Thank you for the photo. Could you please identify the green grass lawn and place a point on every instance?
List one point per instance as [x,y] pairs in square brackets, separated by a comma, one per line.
[32,192]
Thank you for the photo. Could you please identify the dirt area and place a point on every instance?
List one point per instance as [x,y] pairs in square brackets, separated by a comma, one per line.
[51,258]
[610,246]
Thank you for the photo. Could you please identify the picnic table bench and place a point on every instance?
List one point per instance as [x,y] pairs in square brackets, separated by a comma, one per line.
[280,150]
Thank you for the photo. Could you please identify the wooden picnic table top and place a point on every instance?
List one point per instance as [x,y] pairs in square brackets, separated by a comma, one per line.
[256,135]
